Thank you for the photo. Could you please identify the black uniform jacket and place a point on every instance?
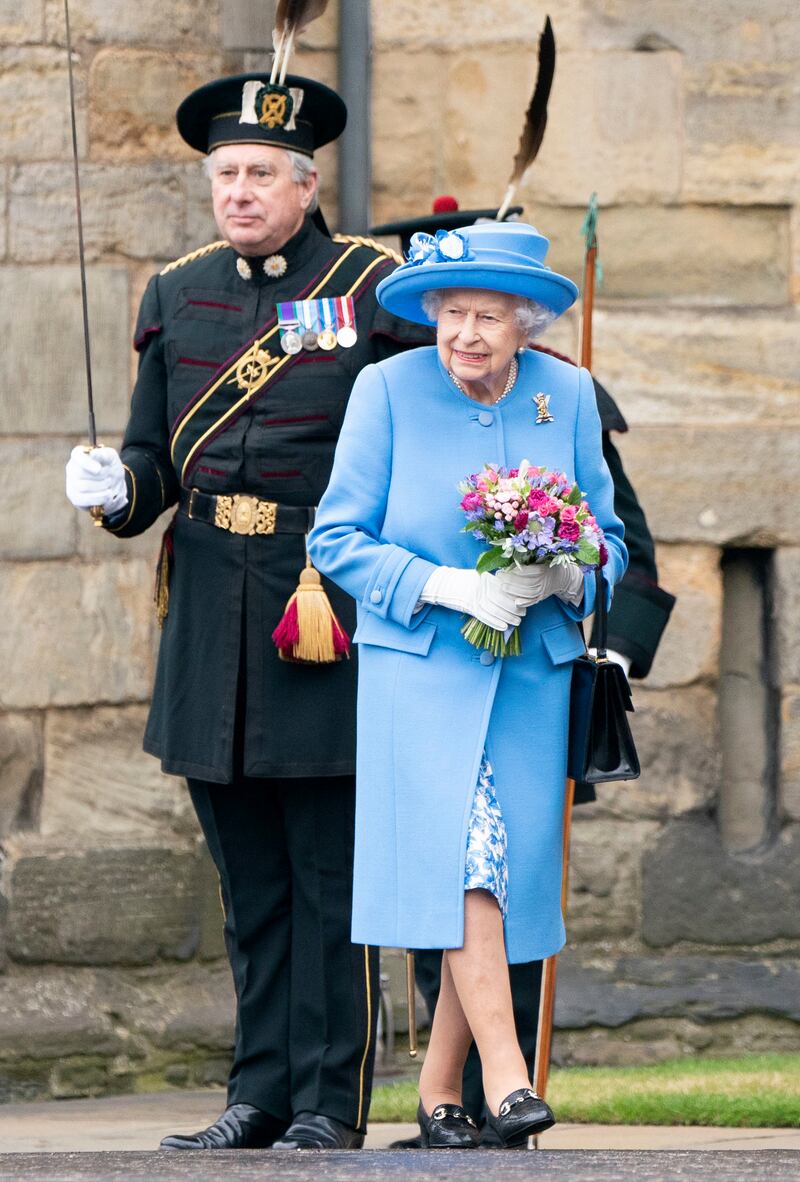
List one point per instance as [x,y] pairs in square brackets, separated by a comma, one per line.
[227,591]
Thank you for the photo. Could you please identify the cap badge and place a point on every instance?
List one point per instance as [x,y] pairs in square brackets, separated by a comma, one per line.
[543,408]
[270,106]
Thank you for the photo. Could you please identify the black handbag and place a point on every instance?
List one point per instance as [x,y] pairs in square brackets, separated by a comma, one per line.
[601,746]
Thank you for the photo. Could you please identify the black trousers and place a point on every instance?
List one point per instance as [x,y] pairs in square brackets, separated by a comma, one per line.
[526,986]
[307,998]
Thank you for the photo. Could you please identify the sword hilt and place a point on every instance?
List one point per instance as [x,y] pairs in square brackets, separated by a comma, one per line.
[96,511]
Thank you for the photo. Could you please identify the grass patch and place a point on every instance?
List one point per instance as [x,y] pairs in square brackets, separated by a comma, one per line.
[756,1091]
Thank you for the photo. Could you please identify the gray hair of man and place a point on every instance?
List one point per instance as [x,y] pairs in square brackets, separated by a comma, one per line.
[530,315]
[302,167]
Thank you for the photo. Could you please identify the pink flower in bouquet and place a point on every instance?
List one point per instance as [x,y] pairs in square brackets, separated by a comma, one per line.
[569,530]
[521,520]
[569,513]
[603,554]
[542,503]
[472,502]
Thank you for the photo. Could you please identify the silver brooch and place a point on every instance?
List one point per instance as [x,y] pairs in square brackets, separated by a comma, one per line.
[543,408]
[244,268]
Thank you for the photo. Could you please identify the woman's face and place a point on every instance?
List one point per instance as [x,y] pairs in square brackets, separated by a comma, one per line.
[477,334]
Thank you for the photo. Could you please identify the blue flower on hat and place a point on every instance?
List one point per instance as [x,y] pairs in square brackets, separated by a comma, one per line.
[449,246]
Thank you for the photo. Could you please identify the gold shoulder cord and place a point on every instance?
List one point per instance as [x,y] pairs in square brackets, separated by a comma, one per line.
[359,240]
[195,254]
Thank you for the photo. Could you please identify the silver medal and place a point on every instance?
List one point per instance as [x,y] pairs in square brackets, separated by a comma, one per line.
[291,342]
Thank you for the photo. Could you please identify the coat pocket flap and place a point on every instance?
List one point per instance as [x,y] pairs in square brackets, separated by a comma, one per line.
[387,634]
[563,642]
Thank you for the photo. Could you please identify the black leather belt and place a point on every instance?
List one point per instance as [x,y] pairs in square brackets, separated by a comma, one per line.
[242,513]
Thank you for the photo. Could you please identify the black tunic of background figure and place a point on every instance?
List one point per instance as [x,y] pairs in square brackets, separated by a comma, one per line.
[269,747]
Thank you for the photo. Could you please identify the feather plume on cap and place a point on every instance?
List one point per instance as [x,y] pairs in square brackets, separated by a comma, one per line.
[535,117]
[291,17]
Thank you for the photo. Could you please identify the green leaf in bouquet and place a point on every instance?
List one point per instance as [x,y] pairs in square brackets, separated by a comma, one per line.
[490,560]
[576,496]
[587,554]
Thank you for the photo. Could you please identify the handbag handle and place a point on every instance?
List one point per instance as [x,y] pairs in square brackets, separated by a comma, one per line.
[600,614]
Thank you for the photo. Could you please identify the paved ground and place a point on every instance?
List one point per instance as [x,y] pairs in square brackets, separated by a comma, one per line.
[423,1166]
[112,1140]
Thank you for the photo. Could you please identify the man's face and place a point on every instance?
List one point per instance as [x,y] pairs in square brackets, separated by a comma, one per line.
[257,205]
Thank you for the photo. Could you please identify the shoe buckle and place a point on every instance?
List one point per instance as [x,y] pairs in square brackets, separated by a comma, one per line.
[439,1113]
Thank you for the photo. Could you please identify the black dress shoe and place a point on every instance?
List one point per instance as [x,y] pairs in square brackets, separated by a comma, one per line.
[449,1126]
[242,1126]
[309,1130]
[522,1114]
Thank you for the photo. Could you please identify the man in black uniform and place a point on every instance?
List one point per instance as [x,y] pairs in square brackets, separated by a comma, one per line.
[639,614]
[248,350]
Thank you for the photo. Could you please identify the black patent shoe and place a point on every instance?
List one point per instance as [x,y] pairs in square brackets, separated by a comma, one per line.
[522,1114]
[242,1126]
[310,1130]
[449,1126]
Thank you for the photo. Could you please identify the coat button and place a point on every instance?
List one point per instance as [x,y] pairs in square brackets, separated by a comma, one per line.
[487,658]
[376,596]
[485,418]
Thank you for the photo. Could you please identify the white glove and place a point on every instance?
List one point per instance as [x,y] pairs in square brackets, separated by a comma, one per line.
[477,595]
[96,477]
[532,583]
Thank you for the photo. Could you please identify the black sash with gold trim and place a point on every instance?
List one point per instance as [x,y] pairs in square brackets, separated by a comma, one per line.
[250,372]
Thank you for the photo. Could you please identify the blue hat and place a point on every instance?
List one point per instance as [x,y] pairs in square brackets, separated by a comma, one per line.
[502,256]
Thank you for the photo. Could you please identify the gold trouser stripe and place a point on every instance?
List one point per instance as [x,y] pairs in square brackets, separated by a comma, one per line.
[285,361]
[232,410]
[115,528]
[369,1039]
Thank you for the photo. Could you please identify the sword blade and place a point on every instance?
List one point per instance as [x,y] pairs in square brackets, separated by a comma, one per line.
[81,252]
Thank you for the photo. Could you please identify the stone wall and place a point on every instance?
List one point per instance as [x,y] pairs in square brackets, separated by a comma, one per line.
[111,969]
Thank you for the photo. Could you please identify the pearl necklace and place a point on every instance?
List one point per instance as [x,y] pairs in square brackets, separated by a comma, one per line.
[513,370]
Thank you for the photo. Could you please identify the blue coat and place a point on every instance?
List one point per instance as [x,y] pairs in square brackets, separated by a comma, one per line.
[428,702]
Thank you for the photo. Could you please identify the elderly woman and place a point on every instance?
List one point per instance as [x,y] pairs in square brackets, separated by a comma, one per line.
[462,756]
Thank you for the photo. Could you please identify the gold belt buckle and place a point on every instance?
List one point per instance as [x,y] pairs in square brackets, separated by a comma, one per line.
[244,514]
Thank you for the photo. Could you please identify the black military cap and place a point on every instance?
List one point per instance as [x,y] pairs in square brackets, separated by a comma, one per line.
[446,216]
[300,114]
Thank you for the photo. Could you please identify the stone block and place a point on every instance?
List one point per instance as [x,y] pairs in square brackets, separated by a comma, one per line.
[694,890]
[212,916]
[181,1010]
[21,22]
[604,879]
[100,788]
[755,173]
[786,611]
[594,992]
[190,23]
[790,754]
[676,736]
[133,95]
[404,23]
[21,771]
[615,118]
[3,210]
[126,906]
[700,366]
[42,375]
[128,211]
[34,102]
[200,224]
[53,1015]
[82,634]
[689,650]
[733,31]
[719,466]
[703,255]
[37,520]
[404,176]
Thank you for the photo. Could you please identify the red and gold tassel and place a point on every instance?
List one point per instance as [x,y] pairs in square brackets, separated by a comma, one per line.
[309,632]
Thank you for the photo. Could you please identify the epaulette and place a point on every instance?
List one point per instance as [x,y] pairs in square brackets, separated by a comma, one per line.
[359,240]
[195,254]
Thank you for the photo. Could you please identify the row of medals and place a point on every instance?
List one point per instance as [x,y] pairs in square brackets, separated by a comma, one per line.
[293,341]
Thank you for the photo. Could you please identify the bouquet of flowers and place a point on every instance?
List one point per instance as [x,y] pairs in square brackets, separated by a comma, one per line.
[526,515]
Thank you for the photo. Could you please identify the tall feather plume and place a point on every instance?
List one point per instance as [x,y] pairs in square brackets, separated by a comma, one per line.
[291,17]
[535,117]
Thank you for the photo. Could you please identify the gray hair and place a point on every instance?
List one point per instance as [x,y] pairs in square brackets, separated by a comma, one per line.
[530,315]
[302,167]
